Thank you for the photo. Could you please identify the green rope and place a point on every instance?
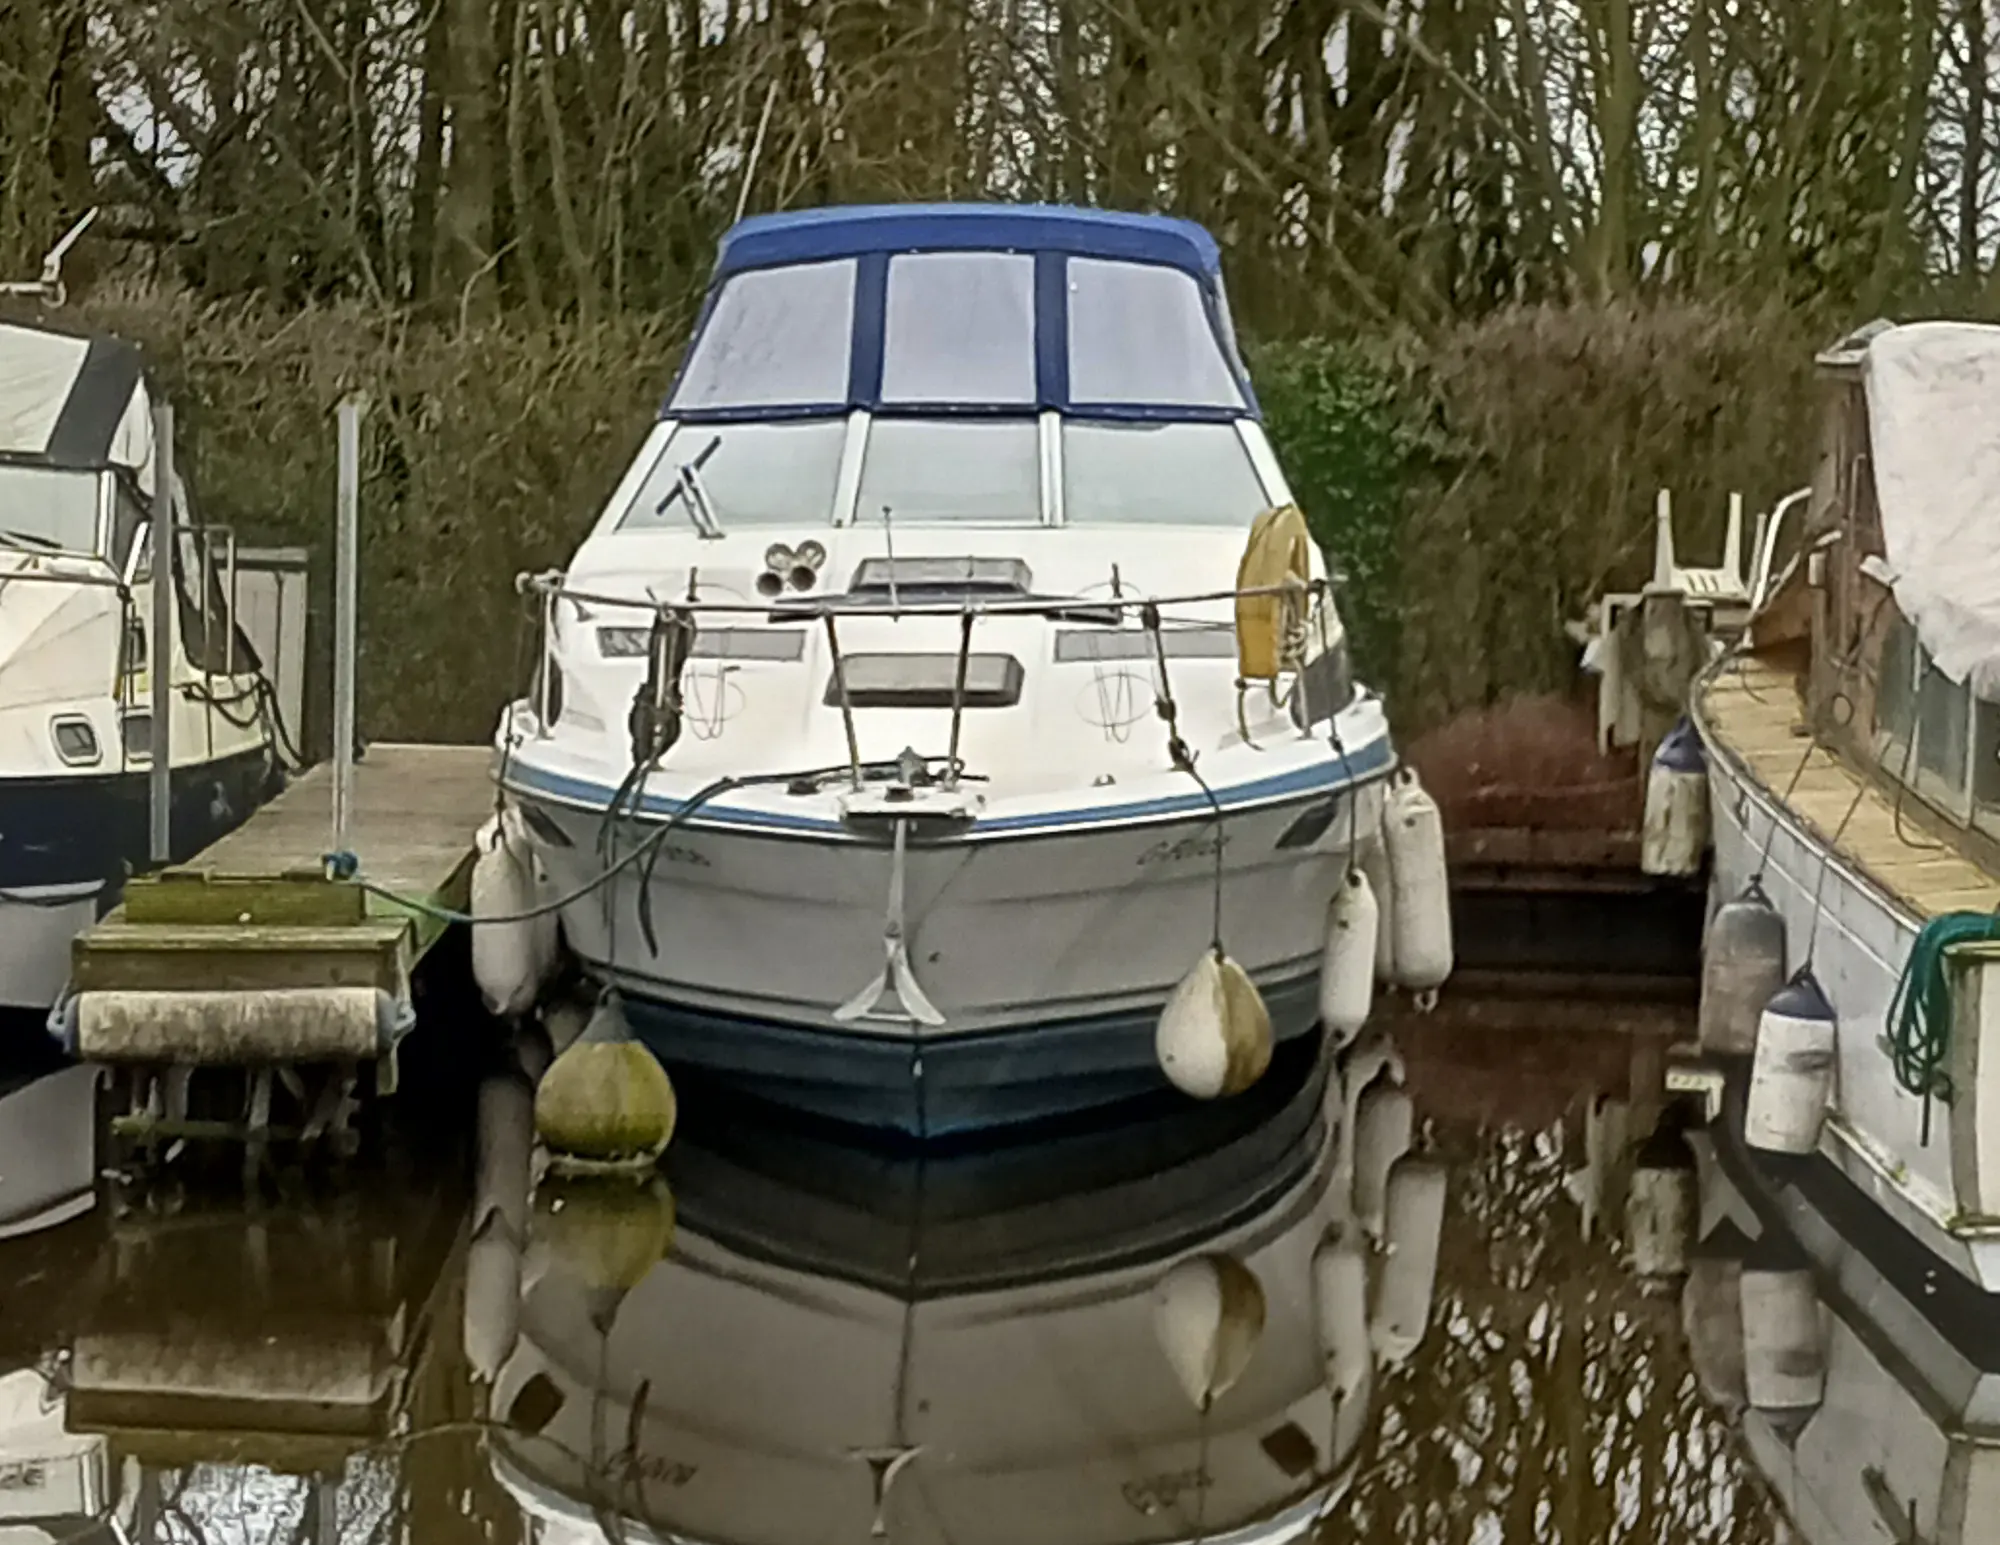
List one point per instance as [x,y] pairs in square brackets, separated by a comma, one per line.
[1918,1031]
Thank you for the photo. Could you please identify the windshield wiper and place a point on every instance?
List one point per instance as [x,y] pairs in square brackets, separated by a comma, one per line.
[29,542]
[688,484]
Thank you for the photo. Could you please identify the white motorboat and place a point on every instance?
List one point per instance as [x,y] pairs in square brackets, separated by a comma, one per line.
[1850,744]
[912,652]
[76,645]
[1091,1349]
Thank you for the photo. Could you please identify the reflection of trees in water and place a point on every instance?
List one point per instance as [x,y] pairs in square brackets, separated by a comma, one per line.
[1551,1401]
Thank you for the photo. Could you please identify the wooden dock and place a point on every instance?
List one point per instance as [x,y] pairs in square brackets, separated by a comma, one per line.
[255,955]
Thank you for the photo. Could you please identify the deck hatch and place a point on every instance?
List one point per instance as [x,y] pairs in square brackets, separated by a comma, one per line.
[926,681]
[954,576]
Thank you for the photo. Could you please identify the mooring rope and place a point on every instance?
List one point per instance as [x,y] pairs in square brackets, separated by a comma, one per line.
[1917,1034]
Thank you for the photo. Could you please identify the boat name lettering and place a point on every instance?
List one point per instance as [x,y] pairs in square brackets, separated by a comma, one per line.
[675,854]
[1203,845]
[24,1475]
[663,1472]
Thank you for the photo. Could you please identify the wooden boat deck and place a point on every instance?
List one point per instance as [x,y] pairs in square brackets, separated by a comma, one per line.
[1753,708]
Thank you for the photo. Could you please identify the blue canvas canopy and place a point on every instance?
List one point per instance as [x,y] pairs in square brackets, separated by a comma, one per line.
[964,308]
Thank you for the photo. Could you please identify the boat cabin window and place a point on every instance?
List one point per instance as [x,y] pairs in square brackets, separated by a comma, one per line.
[927,470]
[1139,334]
[1933,735]
[774,336]
[776,472]
[49,509]
[1154,474]
[959,327]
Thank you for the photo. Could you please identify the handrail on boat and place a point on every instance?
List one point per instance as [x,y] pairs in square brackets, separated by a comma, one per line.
[550,586]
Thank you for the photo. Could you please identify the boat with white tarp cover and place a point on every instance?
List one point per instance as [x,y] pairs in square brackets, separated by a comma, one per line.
[1852,748]
[77,645]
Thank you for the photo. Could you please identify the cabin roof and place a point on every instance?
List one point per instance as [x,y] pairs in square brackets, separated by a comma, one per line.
[808,235]
[64,398]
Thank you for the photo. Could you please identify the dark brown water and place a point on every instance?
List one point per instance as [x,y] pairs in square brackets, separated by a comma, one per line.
[1212,1326]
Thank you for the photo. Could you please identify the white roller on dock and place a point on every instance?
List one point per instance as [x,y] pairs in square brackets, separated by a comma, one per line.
[248,1027]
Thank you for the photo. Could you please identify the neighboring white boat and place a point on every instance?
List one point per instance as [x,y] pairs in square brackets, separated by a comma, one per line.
[927,570]
[56,1486]
[1853,751]
[48,1148]
[76,646]
[1866,1386]
[1086,1351]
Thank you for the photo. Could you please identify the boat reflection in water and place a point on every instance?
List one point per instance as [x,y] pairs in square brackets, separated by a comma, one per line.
[1168,1332]
[205,1372]
[1864,1374]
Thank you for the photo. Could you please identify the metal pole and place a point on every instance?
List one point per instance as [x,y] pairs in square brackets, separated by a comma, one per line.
[346,563]
[160,648]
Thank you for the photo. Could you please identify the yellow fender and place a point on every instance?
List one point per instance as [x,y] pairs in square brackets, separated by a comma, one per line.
[1280,549]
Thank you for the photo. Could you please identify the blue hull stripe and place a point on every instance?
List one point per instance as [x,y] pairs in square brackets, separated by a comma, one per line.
[1359,766]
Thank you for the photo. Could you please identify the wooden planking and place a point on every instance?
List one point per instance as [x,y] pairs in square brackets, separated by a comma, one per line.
[1754,709]
[117,956]
[415,810]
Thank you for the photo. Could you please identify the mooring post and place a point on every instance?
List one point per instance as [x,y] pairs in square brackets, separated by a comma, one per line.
[346,589]
[160,648]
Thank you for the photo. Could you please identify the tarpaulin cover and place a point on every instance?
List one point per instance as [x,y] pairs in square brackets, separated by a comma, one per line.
[1934,425]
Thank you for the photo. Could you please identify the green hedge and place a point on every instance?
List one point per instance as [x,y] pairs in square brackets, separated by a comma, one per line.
[1476,491]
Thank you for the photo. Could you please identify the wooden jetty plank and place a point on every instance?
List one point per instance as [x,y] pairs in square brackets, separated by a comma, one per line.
[117,956]
[415,810]
[1754,710]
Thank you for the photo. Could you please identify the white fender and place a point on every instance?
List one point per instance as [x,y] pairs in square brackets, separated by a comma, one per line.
[1208,1312]
[1742,968]
[1347,965]
[1375,864]
[1412,1230]
[1384,1118]
[1712,1321]
[492,1296]
[511,959]
[1791,1078]
[1214,1037]
[1414,833]
[1340,1319]
[1784,1355]
[506,1141]
[1674,835]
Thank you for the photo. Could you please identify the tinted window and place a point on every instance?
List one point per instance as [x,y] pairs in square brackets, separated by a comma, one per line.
[776,336]
[959,327]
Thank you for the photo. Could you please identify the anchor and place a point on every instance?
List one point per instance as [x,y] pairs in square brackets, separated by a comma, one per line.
[896,971]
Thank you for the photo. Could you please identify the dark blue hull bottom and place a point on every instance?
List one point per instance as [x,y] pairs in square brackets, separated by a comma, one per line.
[942,1087]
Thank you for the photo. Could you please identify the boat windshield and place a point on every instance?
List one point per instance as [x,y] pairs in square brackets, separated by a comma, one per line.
[48,509]
[929,471]
[771,473]
[1158,474]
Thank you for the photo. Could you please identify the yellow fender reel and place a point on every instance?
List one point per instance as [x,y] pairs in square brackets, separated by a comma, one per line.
[1270,629]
